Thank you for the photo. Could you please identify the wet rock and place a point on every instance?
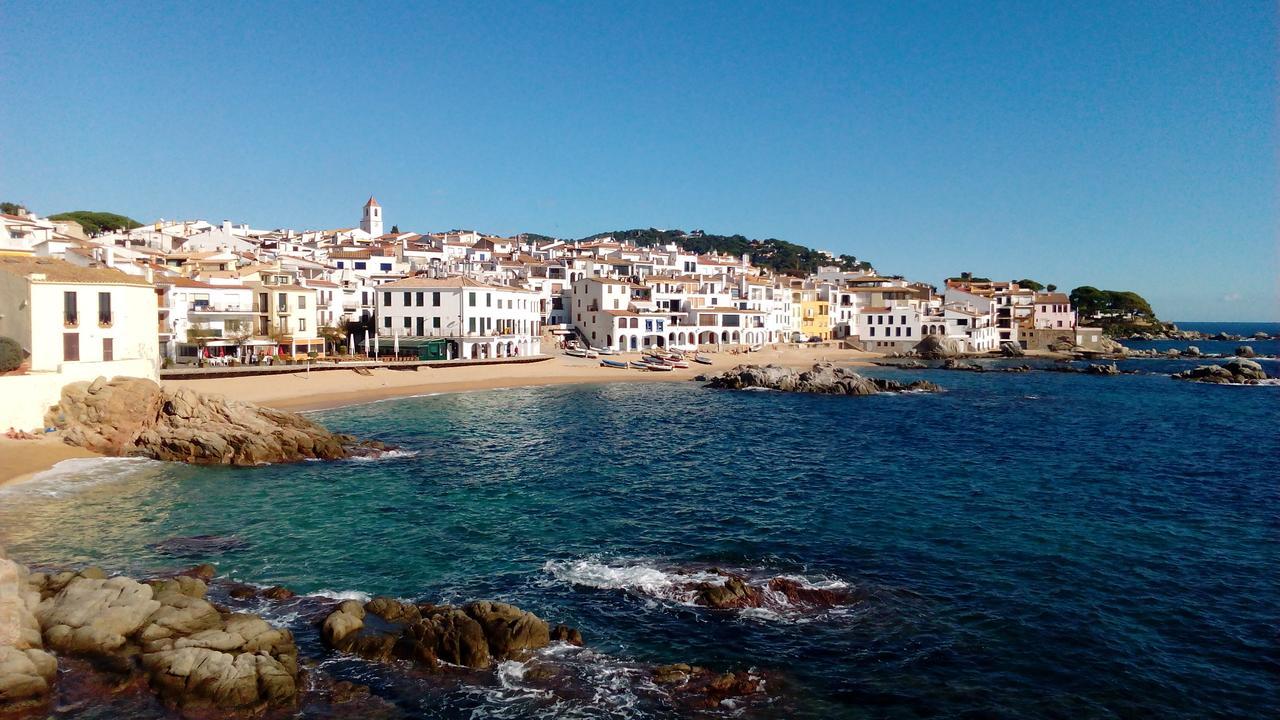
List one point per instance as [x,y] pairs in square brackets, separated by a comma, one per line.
[135,416]
[276,592]
[27,671]
[1096,369]
[1244,351]
[734,593]
[1191,351]
[95,617]
[1234,372]
[510,631]
[564,633]
[822,378]
[798,593]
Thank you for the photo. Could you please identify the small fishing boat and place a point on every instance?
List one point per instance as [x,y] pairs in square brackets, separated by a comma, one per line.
[605,351]
[659,367]
[590,354]
[755,348]
[701,360]
[576,352]
[613,363]
[637,365]
[677,362]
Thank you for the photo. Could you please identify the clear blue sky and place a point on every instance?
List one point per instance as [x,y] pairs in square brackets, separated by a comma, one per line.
[1123,145]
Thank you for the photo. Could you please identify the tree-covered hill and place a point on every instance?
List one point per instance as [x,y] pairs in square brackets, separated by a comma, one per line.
[96,222]
[778,255]
[1118,312]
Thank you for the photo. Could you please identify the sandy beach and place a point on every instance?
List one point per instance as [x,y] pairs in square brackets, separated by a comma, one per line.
[20,459]
[303,391]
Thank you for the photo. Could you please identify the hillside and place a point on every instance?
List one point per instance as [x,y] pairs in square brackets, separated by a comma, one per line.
[96,222]
[1117,312]
[778,255]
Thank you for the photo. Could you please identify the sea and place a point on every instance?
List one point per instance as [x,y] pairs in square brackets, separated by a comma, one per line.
[1022,545]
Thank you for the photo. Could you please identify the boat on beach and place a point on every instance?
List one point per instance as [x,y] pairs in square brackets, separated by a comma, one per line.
[702,360]
[658,367]
[613,363]
[604,351]
[575,352]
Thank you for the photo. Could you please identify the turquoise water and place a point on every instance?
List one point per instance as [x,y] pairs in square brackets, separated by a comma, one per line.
[1034,545]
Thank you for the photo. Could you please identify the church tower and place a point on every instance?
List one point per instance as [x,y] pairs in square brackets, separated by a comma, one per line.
[372,221]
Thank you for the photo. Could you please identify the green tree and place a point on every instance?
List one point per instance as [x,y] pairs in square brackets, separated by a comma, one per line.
[96,223]
[1031,285]
[9,208]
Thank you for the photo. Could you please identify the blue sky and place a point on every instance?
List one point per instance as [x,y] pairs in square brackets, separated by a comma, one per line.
[1123,145]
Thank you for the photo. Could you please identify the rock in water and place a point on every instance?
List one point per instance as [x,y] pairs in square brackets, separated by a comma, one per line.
[135,416]
[1234,372]
[1244,351]
[822,378]
[938,347]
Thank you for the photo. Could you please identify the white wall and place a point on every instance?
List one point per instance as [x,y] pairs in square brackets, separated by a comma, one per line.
[28,397]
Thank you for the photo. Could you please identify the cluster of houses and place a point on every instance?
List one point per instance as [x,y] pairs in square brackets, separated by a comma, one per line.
[177,292]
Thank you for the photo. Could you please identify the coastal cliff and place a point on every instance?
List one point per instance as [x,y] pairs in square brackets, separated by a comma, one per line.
[136,416]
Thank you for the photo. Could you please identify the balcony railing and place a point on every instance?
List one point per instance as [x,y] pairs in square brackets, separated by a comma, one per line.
[221,308]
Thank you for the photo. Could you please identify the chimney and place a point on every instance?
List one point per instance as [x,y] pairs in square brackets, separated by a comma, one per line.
[226,226]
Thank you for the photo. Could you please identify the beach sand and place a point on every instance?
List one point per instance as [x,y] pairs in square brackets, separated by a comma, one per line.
[20,459]
[333,388]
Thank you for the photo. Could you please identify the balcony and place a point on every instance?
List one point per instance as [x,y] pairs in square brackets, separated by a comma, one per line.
[209,308]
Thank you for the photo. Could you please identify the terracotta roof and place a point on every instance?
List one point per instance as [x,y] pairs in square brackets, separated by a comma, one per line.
[372,202]
[65,272]
[1052,298]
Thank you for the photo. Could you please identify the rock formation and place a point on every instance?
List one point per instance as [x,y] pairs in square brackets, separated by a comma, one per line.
[1233,372]
[475,635]
[1008,348]
[135,416]
[823,378]
[191,654]
[938,347]
[1244,351]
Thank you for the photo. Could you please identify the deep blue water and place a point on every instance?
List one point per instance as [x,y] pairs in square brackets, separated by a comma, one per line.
[1036,545]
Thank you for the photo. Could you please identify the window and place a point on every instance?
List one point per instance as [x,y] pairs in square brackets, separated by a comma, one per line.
[386,299]
[385,267]
[471,299]
[302,324]
[488,299]
[108,349]
[904,319]
[70,316]
[471,324]
[435,299]
[408,299]
[407,323]
[70,346]
[302,302]
[871,331]
[418,299]
[104,308]
[386,321]
[282,301]
[908,332]
[435,322]
[359,265]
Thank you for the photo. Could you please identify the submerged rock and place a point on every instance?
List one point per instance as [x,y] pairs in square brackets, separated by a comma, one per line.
[1233,372]
[135,416]
[823,378]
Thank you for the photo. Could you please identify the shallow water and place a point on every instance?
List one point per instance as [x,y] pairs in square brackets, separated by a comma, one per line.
[1031,545]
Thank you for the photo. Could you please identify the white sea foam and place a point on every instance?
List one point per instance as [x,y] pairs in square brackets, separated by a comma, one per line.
[385,455]
[343,595]
[78,474]
[635,577]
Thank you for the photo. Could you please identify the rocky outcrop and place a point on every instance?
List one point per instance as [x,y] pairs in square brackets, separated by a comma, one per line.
[700,688]
[822,378]
[1233,372]
[938,347]
[135,416]
[1244,351]
[475,635]
[192,654]
[1191,351]
[27,671]
[1108,346]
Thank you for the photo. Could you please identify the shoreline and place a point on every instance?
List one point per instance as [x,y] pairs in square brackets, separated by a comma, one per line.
[298,392]
[20,460]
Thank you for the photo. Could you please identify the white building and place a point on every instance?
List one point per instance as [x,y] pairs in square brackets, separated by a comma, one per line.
[73,323]
[478,320]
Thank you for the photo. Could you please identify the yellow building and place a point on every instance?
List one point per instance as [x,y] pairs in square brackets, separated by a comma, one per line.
[812,314]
